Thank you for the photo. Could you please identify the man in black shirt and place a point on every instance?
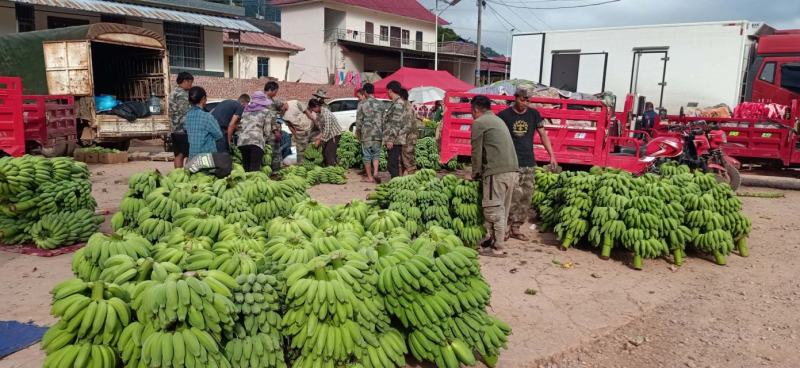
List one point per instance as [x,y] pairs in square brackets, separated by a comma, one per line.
[522,122]
[228,113]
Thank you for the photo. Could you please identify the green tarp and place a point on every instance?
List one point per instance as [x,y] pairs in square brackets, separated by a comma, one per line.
[22,55]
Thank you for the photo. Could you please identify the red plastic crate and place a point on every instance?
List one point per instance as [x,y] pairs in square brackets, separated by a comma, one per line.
[49,118]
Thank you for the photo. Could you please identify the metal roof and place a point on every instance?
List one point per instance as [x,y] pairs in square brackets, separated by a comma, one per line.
[131,10]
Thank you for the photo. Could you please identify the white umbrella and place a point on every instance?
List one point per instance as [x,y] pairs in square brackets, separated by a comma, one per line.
[422,95]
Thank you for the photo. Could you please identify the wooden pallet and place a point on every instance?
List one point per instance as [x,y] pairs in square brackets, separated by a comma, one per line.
[163,156]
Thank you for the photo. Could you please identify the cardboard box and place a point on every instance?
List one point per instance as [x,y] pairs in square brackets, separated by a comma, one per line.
[91,157]
[79,155]
[113,157]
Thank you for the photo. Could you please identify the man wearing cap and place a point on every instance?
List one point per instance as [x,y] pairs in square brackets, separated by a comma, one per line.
[522,122]
[321,96]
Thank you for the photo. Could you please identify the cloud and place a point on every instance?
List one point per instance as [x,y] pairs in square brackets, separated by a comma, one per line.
[499,18]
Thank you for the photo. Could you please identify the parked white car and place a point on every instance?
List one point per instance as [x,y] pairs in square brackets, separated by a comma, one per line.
[345,111]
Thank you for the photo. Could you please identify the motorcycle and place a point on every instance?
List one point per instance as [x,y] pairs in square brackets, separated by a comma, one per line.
[699,146]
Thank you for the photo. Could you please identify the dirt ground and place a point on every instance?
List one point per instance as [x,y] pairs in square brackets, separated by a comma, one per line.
[584,312]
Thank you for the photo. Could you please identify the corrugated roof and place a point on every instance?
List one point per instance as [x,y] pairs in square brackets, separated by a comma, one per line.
[107,7]
[262,40]
[405,8]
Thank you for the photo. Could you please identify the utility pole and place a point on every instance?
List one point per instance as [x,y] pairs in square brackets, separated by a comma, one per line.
[478,56]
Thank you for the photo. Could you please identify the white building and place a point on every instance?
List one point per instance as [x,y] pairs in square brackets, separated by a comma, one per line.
[356,36]
[195,31]
[672,65]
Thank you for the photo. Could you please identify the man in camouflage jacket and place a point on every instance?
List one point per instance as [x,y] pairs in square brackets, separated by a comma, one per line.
[179,106]
[393,122]
[368,130]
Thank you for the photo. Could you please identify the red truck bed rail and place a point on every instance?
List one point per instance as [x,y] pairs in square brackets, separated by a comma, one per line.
[12,134]
[49,121]
[754,139]
[572,129]
[578,131]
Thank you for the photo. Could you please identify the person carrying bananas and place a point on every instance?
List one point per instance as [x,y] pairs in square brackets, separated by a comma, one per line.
[494,162]
[300,123]
[522,122]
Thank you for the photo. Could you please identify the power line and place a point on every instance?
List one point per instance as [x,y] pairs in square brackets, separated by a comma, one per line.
[559,7]
[501,18]
[531,12]
[518,16]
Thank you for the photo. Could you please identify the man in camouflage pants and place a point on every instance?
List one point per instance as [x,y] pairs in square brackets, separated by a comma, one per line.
[368,132]
[393,123]
[179,106]
[409,158]
[522,122]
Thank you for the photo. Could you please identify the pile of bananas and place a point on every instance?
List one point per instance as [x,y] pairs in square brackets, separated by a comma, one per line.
[426,201]
[349,151]
[56,229]
[247,272]
[45,201]
[314,174]
[434,287]
[427,153]
[651,216]
[313,155]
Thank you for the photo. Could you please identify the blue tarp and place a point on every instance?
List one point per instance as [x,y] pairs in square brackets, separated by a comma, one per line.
[15,336]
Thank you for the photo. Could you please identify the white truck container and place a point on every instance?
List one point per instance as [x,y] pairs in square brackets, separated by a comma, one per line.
[673,65]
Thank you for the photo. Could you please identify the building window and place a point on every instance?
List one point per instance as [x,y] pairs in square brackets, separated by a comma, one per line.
[25,18]
[230,67]
[185,45]
[768,73]
[263,67]
[406,37]
[384,33]
[58,22]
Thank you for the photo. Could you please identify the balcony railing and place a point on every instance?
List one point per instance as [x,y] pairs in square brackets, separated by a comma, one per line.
[450,47]
[333,35]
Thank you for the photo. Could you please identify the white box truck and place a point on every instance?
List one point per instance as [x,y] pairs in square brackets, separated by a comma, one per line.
[673,65]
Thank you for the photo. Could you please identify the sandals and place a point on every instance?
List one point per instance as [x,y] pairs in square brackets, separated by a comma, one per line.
[491,253]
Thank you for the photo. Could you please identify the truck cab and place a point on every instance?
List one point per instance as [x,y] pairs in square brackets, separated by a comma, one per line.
[774,74]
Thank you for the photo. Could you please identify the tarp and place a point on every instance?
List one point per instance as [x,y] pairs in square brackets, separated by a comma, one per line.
[412,77]
[22,54]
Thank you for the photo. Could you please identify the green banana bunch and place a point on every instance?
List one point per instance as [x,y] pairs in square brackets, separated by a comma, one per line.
[258,350]
[426,153]
[160,204]
[201,303]
[122,269]
[383,221]
[389,352]
[318,213]
[141,184]
[184,347]
[289,226]
[87,262]
[198,222]
[257,304]
[355,210]
[90,311]
[348,152]
[130,341]
[313,155]
[64,228]
[82,354]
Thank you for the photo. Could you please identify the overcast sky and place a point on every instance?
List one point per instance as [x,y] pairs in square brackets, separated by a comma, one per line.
[500,16]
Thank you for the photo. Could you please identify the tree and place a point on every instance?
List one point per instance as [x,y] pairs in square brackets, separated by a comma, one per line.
[448,34]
